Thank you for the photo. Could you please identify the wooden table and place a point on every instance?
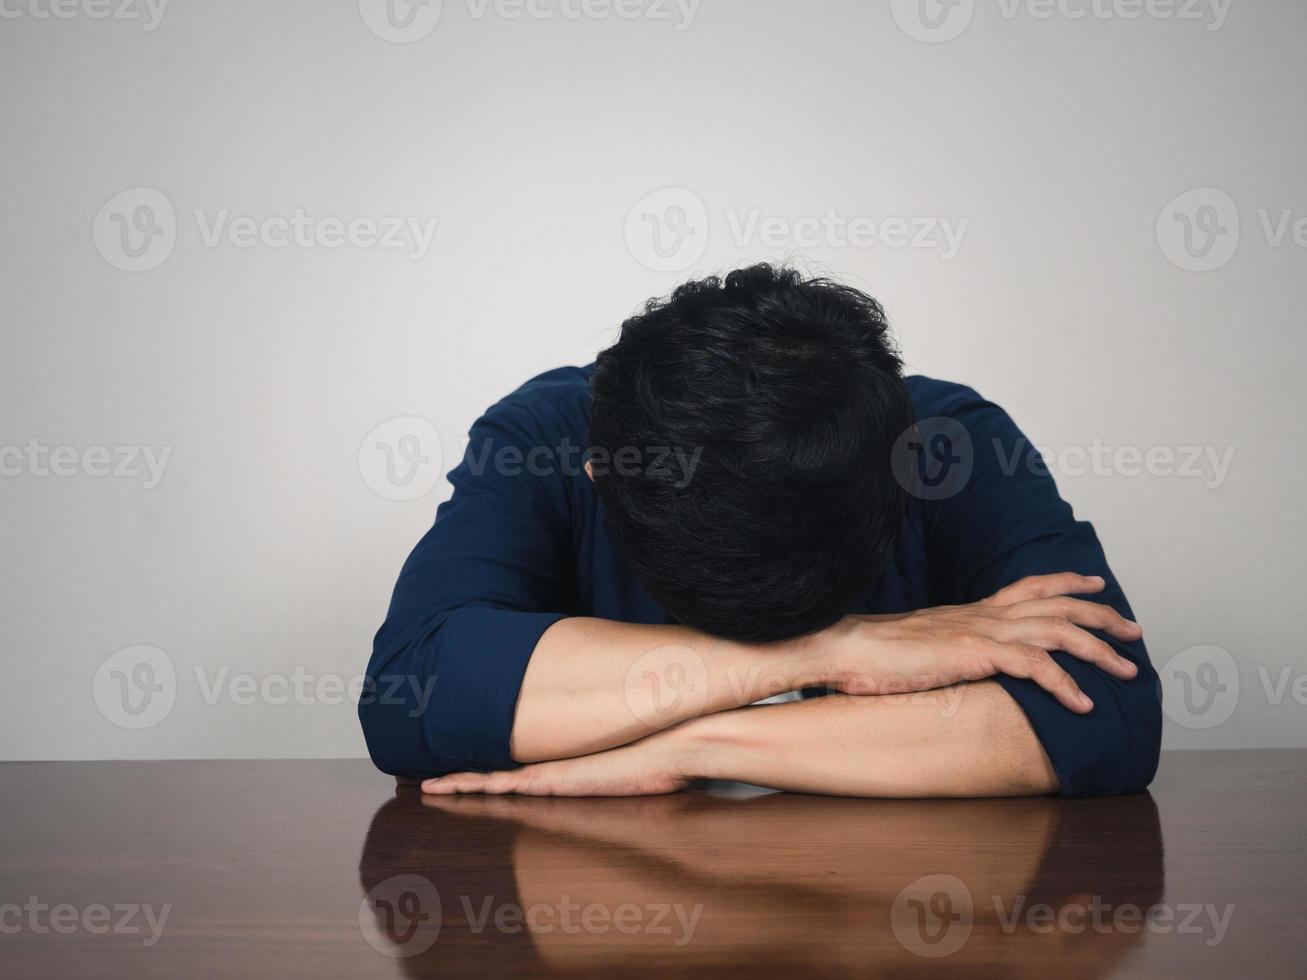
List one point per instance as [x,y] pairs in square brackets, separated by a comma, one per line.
[325,868]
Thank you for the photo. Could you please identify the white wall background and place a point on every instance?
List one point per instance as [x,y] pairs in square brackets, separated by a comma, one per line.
[263,550]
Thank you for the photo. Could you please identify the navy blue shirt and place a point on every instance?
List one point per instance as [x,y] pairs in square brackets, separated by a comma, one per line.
[522,543]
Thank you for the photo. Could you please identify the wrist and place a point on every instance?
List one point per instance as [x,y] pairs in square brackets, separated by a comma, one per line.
[853,655]
[831,655]
[682,750]
[745,673]
[707,747]
[818,659]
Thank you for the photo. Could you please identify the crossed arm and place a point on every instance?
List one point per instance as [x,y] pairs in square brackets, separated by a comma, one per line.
[479,666]
[612,709]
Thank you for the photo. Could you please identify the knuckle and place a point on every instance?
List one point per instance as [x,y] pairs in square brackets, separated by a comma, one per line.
[1031,659]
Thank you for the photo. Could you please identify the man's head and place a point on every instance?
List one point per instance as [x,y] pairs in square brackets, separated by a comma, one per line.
[792,392]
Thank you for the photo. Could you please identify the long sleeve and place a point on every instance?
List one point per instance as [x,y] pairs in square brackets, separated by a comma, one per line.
[471,602]
[1006,522]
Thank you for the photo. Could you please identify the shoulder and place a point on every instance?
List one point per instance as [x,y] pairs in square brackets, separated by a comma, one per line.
[557,401]
[933,396]
[561,382]
[964,407]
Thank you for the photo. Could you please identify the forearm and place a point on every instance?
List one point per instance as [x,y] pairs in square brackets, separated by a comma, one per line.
[965,741]
[594,684]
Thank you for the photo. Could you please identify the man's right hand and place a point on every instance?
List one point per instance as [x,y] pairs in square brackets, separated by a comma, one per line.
[1012,632]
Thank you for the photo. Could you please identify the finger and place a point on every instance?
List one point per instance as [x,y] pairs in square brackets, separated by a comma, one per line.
[1047,586]
[456,782]
[1094,615]
[1057,633]
[1033,663]
[469,782]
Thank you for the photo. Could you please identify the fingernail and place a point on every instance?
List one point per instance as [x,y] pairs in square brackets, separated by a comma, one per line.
[1086,703]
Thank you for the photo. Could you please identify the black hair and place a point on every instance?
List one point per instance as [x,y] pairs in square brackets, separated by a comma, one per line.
[791,391]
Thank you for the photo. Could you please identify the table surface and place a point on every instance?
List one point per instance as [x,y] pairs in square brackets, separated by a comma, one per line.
[319,868]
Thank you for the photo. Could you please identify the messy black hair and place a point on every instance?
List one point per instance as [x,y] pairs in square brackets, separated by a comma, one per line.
[790,391]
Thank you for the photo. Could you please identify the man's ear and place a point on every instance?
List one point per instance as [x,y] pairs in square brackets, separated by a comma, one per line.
[590,470]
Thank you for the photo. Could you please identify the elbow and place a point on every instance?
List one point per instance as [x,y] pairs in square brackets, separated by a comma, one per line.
[394,723]
[1124,755]
[390,745]
[1143,720]
[1112,750]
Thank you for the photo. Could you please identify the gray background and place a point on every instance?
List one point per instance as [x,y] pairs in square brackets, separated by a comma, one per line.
[1066,144]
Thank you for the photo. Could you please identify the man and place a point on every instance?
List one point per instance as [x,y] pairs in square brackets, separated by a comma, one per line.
[766,506]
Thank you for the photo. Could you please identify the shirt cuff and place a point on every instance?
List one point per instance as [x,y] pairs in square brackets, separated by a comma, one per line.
[478,677]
